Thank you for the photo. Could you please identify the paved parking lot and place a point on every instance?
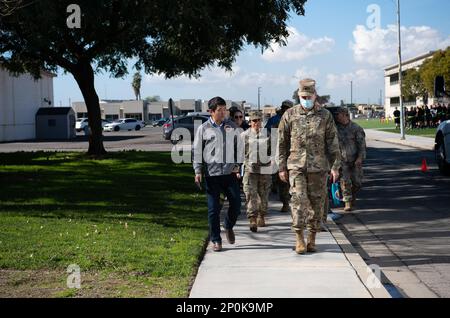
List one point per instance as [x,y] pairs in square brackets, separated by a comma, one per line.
[147,139]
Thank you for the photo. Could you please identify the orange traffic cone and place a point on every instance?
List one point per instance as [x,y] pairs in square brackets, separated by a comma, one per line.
[424,166]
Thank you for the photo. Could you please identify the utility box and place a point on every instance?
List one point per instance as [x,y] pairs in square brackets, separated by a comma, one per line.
[56,123]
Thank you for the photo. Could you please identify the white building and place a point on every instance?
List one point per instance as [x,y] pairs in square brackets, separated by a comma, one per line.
[20,99]
[392,86]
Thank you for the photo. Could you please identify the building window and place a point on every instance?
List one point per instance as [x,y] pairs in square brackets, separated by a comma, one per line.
[111,117]
[154,117]
[82,115]
[52,123]
[137,116]
[394,79]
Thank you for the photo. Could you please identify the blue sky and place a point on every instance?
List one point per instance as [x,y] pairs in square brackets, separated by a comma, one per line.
[333,43]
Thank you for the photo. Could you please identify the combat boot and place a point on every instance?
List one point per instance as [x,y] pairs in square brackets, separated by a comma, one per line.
[311,247]
[300,247]
[261,221]
[253,225]
[285,207]
[348,206]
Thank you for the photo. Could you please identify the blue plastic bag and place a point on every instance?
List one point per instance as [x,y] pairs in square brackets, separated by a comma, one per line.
[336,194]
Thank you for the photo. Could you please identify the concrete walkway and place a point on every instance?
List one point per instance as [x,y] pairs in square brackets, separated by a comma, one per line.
[264,264]
[419,142]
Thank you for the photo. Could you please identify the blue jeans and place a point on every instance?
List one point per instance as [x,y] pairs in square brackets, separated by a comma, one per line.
[229,185]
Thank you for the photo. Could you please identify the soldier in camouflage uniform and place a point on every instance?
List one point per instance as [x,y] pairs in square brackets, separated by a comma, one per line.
[257,175]
[353,150]
[307,139]
[277,185]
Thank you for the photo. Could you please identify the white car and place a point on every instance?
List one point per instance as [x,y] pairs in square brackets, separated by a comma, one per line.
[80,124]
[442,147]
[83,123]
[124,124]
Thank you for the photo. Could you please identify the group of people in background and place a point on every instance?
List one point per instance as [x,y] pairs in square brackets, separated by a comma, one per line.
[313,147]
[423,116]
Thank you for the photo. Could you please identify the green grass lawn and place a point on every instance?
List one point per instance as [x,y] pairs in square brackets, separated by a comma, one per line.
[390,127]
[374,124]
[134,223]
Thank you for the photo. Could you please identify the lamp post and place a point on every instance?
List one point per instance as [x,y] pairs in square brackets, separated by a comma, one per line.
[259,98]
[400,77]
[351,94]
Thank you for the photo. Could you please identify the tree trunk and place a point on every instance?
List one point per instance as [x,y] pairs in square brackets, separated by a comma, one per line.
[84,75]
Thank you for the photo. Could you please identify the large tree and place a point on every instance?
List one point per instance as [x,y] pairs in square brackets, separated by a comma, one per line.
[438,65]
[413,86]
[160,36]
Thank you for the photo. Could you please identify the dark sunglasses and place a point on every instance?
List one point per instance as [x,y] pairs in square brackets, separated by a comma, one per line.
[256,120]
[236,117]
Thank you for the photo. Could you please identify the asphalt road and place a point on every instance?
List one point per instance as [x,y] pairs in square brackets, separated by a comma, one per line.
[402,221]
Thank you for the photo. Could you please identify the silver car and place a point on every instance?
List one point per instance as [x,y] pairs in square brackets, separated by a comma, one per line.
[442,147]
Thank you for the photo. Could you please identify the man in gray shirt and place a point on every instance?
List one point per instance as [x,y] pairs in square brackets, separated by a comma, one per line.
[216,160]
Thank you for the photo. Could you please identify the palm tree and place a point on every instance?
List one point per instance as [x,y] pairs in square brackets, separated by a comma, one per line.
[136,84]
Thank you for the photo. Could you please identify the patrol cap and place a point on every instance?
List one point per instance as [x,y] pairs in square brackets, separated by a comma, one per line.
[255,115]
[307,87]
[287,104]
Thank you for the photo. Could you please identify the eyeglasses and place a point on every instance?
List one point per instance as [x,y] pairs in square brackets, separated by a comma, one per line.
[238,117]
[256,120]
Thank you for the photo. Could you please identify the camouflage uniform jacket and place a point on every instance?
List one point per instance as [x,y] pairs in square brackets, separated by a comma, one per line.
[308,140]
[256,145]
[352,141]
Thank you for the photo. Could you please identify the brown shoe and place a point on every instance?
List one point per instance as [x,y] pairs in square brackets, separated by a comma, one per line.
[311,247]
[253,225]
[348,206]
[261,221]
[217,247]
[230,236]
[300,246]
[285,208]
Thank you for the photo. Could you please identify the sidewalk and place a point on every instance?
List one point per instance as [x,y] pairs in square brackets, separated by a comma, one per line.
[264,264]
[419,142]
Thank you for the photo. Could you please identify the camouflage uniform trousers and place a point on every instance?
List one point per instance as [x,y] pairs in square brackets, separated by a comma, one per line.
[308,195]
[282,188]
[256,189]
[326,209]
[351,181]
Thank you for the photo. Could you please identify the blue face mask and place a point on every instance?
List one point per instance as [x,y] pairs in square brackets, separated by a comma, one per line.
[307,103]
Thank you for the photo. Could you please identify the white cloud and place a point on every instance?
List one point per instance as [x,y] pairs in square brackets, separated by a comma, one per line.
[359,77]
[299,47]
[209,76]
[379,47]
[238,76]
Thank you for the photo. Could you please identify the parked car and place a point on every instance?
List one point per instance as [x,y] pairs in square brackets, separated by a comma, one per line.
[442,147]
[187,122]
[83,123]
[80,124]
[159,122]
[124,124]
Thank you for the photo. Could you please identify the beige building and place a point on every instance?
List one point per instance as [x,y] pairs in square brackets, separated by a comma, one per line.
[115,109]
[147,111]
[20,99]
[367,110]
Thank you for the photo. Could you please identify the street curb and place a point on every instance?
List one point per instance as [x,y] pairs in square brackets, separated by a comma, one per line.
[402,143]
[363,271]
